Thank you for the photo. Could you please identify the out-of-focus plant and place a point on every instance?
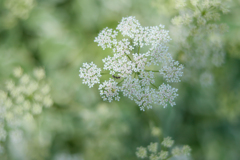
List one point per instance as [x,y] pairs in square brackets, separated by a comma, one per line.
[14,10]
[104,127]
[200,38]
[164,153]
[164,6]
[229,106]
[198,34]
[23,98]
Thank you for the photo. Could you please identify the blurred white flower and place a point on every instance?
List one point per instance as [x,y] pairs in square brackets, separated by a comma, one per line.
[176,152]
[17,72]
[167,142]
[23,98]
[141,152]
[39,73]
[152,147]
[19,8]
[206,79]
[198,35]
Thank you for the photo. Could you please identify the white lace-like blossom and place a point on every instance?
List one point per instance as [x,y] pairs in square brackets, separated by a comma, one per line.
[166,93]
[90,74]
[172,71]
[105,38]
[147,78]
[109,89]
[129,64]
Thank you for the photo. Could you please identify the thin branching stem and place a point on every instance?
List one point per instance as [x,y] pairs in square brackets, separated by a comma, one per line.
[104,73]
[128,57]
[154,86]
[147,70]
[121,81]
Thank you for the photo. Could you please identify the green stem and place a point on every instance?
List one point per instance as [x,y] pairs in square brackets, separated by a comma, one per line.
[211,8]
[121,81]
[128,57]
[104,73]
[198,8]
[147,70]
[154,86]
[138,49]
[137,73]
[169,157]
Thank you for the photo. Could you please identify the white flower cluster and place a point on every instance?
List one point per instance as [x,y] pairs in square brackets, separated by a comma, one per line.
[167,143]
[90,74]
[130,68]
[23,98]
[109,89]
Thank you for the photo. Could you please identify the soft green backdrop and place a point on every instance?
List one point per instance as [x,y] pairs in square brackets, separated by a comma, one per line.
[58,35]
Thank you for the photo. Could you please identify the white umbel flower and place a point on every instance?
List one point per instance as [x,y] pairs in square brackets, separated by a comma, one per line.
[90,74]
[109,90]
[105,38]
[172,71]
[129,66]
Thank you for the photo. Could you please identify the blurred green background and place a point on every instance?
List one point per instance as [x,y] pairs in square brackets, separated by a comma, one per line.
[58,35]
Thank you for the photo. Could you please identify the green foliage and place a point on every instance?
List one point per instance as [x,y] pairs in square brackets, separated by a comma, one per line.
[58,37]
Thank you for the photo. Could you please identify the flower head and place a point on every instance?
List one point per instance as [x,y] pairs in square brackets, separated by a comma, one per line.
[130,67]
[153,147]
[90,74]
[167,142]
[109,89]
[141,152]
